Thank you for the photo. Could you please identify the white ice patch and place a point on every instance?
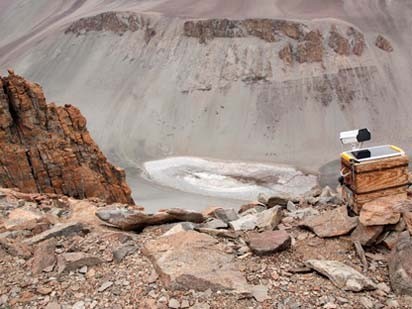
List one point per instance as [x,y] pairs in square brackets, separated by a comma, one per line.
[228,179]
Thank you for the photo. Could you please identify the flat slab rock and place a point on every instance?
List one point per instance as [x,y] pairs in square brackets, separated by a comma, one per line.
[60,229]
[269,242]
[380,211]
[366,235]
[192,260]
[73,260]
[132,219]
[331,223]
[343,276]
[400,265]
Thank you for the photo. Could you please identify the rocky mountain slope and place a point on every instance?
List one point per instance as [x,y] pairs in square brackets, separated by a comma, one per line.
[47,148]
[264,81]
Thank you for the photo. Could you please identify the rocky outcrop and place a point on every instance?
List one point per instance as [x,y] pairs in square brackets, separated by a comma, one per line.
[383,43]
[311,50]
[338,42]
[115,22]
[269,30]
[309,43]
[47,148]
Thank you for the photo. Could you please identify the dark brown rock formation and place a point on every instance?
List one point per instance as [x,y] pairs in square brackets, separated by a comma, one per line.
[311,50]
[357,40]
[286,54]
[116,22]
[338,42]
[266,29]
[383,43]
[47,148]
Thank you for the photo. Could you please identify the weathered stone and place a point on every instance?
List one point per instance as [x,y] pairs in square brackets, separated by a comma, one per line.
[269,219]
[380,211]
[226,214]
[180,227]
[311,50]
[215,224]
[22,219]
[174,303]
[291,207]
[191,260]
[407,218]
[44,256]
[260,293]
[133,219]
[218,233]
[105,286]
[400,265]
[47,148]
[303,213]
[286,54]
[58,230]
[121,252]
[269,242]
[254,205]
[331,223]
[278,200]
[357,41]
[15,248]
[338,42]
[391,240]
[343,276]
[244,223]
[383,43]
[366,235]
[73,260]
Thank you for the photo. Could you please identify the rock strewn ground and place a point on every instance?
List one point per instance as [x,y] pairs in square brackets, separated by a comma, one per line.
[47,148]
[98,267]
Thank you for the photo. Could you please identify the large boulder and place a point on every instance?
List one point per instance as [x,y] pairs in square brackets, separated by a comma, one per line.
[269,242]
[191,260]
[133,219]
[47,148]
[331,223]
[400,265]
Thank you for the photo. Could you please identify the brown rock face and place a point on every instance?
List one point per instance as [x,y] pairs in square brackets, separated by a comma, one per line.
[47,148]
[286,54]
[311,50]
[115,22]
[383,43]
[265,29]
[338,43]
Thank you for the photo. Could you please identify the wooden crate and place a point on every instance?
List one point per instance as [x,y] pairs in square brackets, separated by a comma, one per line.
[370,180]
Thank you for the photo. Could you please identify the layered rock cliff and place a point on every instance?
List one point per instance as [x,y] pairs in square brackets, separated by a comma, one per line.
[47,148]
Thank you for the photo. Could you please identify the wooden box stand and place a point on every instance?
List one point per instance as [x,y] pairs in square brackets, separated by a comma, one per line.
[366,181]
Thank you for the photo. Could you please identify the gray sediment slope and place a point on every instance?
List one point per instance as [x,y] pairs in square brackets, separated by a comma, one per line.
[153,94]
